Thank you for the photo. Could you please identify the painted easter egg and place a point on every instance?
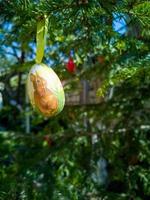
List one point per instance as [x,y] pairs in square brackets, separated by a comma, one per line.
[45,90]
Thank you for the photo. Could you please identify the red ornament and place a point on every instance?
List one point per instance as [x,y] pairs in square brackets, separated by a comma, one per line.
[71,67]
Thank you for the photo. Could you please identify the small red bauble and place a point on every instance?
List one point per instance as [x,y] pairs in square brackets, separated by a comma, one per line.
[71,67]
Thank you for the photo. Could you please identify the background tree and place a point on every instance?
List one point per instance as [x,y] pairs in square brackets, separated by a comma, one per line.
[98,151]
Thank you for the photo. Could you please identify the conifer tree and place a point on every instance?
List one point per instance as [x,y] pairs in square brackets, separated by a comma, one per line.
[91,151]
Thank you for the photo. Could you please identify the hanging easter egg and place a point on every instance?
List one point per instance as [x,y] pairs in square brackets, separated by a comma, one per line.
[71,67]
[45,90]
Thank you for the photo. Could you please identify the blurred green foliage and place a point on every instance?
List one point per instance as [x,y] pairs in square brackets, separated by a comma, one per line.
[88,152]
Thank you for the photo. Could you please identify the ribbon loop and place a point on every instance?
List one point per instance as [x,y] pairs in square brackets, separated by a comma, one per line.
[42,26]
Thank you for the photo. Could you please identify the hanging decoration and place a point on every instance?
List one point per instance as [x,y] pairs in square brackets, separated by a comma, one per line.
[71,67]
[44,88]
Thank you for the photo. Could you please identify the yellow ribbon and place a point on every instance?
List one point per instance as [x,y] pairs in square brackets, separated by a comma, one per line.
[42,26]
